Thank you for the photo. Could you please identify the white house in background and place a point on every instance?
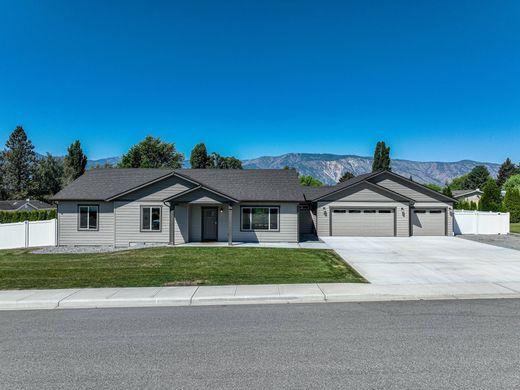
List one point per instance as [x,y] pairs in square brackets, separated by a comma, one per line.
[468,195]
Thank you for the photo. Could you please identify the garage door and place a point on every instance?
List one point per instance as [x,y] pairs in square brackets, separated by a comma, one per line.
[431,222]
[363,222]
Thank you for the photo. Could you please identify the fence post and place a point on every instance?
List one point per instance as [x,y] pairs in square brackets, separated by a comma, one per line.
[26,226]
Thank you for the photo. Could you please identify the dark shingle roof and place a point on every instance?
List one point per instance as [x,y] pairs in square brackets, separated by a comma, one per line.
[243,185]
[313,192]
[250,184]
[24,204]
[104,183]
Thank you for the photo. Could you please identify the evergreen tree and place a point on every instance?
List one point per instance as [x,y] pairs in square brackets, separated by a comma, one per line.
[477,178]
[74,163]
[199,158]
[346,176]
[152,153]
[506,170]
[3,193]
[491,198]
[447,191]
[381,158]
[309,181]
[18,162]
[47,178]
[512,204]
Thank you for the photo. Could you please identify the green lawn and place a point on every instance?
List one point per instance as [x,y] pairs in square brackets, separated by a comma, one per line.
[515,227]
[20,269]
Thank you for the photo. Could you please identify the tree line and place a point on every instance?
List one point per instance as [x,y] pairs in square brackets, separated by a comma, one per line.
[23,174]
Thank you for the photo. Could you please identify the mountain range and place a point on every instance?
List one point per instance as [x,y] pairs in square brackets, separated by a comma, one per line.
[328,168]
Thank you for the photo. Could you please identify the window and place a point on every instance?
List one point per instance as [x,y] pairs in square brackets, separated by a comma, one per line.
[260,218]
[151,218]
[88,217]
[340,211]
[435,211]
[369,211]
[419,211]
[385,211]
[354,211]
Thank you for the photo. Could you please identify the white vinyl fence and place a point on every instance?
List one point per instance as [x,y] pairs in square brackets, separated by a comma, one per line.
[28,234]
[480,222]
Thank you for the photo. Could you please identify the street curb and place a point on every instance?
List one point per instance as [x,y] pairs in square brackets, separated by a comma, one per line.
[247,295]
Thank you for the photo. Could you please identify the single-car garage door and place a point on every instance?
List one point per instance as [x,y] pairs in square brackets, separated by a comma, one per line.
[429,222]
[363,222]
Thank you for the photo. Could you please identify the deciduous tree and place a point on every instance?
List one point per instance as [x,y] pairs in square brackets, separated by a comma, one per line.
[152,153]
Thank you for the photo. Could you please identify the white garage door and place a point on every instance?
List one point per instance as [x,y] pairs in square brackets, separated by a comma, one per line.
[363,222]
[429,222]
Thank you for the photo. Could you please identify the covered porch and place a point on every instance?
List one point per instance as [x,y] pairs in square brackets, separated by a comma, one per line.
[201,215]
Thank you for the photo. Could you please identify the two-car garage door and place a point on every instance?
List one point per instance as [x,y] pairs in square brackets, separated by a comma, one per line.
[362,222]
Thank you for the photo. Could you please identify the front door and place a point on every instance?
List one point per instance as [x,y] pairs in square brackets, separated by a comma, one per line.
[209,224]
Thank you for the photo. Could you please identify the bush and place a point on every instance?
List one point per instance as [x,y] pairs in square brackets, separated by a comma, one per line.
[512,182]
[512,204]
[465,205]
[491,199]
[24,215]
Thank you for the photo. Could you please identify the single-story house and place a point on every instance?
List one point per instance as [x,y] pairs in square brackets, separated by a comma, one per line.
[124,207]
[24,204]
[468,195]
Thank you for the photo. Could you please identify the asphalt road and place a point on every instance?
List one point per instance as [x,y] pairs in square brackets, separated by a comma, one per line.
[396,345]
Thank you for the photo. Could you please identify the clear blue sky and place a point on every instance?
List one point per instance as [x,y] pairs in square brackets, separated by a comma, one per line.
[438,80]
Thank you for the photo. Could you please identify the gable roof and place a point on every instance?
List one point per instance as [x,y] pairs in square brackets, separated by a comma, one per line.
[18,204]
[367,176]
[462,193]
[237,184]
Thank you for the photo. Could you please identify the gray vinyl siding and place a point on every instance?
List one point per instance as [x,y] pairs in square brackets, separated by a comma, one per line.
[128,213]
[68,233]
[361,193]
[201,196]
[288,225]
[128,223]
[160,190]
[407,189]
[402,215]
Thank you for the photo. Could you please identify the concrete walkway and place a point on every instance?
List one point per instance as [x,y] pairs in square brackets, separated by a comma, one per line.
[247,294]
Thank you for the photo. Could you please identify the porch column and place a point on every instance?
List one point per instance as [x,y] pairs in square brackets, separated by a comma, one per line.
[230,225]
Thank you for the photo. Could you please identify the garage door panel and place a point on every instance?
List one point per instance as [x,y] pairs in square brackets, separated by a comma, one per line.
[363,222]
[429,222]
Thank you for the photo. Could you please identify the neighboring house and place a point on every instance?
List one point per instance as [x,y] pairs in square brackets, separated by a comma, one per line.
[26,205]
[124,207]
[468,195]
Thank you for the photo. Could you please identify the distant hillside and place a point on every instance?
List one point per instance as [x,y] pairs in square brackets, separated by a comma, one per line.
[330,167]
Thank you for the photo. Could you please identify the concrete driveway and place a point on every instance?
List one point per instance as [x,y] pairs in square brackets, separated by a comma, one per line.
[427,260]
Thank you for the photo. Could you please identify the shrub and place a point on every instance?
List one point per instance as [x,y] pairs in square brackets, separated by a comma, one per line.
[24,215]
[491,198]
[512,204]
